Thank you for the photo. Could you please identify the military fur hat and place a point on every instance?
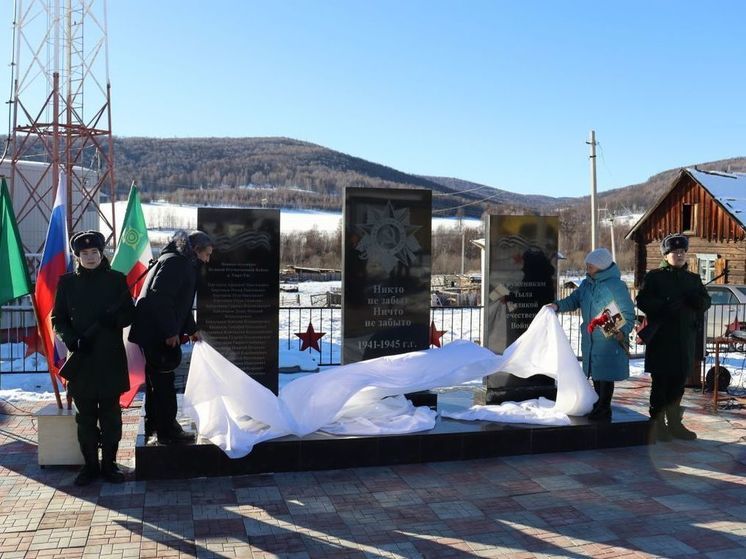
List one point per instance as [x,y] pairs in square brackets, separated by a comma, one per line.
[675,241]
[87,239]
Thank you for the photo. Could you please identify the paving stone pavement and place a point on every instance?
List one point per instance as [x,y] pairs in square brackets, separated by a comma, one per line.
[681,499]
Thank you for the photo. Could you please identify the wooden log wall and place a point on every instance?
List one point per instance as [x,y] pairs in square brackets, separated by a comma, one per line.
[715,231]
[734,254]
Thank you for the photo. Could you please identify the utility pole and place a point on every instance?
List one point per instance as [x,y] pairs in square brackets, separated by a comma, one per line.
[613,243]
[594,211]
[463,235]
[610,216]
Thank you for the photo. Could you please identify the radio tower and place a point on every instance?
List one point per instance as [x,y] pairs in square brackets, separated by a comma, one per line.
[61,112]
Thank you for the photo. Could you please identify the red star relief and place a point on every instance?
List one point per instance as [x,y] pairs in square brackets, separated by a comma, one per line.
[33,343]
[310,338]
[435,335]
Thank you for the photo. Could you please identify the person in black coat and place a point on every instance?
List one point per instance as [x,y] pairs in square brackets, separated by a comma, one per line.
[673,299]
[91,307]
[163,315]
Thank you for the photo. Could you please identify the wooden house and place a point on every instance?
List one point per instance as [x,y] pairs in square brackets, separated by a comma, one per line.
[709,208]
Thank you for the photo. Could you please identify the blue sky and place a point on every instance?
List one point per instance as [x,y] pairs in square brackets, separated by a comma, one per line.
[497,92]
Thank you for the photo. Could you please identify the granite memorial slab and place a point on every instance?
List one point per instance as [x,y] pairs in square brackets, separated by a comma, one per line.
[386,272]
[238,296]
[519,278]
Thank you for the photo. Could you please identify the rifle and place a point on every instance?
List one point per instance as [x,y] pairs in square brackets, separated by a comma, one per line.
[67,371]
[649,329]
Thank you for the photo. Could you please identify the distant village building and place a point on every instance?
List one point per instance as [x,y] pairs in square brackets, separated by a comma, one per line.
[709,208]
[302,273]
[33,212]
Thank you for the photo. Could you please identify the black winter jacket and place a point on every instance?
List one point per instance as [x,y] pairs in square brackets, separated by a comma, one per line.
[165,305]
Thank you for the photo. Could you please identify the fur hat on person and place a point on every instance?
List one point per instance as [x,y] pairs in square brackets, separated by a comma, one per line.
[600,258]
[87,239]
[674,241]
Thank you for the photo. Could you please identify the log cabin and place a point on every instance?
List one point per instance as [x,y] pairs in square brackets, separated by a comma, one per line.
[708,207]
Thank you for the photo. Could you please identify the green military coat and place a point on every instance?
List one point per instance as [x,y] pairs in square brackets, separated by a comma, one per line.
[671,350]
[82,298]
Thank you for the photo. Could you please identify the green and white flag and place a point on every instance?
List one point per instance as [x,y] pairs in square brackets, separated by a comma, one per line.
[131,258]
[133,250]
[14,277]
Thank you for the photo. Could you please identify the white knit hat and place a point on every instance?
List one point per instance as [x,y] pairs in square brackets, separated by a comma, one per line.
[600,258]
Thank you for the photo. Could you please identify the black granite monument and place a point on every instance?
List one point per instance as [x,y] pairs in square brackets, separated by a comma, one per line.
[386,272]
[519,278]
[239,295]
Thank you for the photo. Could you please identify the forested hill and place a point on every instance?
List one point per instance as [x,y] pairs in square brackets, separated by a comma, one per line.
[497,196]
[281,172]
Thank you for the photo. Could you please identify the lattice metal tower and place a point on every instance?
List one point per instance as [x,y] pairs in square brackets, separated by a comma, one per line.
[61,112]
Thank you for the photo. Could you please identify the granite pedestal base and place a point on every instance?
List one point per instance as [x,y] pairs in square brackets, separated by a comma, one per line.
[449,440]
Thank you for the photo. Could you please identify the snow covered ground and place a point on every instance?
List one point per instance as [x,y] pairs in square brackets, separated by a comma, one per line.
[459,324]
[162,219]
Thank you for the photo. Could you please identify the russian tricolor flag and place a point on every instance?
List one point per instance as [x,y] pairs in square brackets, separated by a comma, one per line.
[55,261]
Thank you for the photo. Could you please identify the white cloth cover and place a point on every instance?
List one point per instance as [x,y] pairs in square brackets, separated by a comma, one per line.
[235,412]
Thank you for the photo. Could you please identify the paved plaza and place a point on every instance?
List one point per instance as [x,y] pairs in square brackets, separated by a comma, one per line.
[681,499]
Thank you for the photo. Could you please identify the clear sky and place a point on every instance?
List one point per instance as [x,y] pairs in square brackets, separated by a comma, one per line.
[497,92]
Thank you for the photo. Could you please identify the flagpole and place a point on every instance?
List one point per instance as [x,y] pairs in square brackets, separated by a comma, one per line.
[50,361]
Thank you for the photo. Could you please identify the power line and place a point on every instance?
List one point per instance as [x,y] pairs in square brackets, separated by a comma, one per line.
[469,203]
[603,159]
[458,193]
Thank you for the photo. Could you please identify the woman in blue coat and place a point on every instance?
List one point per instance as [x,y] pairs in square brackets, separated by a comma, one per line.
[605,357]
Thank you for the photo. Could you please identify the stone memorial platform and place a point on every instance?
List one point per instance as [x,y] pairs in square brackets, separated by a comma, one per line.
[449,440]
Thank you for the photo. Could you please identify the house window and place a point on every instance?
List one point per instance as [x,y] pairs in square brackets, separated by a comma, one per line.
[706,266]
[689,218]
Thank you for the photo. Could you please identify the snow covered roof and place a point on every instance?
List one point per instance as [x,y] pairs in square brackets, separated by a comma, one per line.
[729,189]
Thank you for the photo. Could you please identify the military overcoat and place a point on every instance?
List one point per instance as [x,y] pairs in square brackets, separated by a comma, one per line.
[82,299]
[675,299]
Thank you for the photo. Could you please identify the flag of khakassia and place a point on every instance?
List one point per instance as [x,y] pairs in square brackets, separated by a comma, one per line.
[55,261]
[14,278]
[131,258]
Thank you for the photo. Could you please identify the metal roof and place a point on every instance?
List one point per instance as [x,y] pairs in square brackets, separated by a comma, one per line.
[728,189]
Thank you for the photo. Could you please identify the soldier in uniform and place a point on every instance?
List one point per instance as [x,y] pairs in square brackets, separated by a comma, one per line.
[674,299]
[91,307]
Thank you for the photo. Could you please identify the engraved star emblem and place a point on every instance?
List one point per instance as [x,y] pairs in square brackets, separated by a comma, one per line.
[388,237]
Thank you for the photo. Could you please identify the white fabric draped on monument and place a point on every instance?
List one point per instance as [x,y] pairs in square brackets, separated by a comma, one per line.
[235,412]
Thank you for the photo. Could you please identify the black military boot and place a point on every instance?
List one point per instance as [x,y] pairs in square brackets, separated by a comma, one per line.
[602,410]
[675,427]
[90,471]
[176,435]
[109,469]
[657,425]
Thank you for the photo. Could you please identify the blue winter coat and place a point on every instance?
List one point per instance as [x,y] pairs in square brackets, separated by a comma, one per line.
[603,358]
